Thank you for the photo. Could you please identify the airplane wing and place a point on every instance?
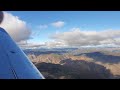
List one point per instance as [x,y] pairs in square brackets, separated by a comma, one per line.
[14,64]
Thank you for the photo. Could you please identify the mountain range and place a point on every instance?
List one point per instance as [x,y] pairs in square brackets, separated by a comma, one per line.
[77,63]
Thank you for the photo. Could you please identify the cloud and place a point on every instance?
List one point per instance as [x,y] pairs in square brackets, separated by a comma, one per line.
[54,44]
[76,37]
[58,24]
[16,28]
[42,26]
[31,45]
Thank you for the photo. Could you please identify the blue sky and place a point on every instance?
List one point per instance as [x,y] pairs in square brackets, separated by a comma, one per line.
[85,20]
[92,19]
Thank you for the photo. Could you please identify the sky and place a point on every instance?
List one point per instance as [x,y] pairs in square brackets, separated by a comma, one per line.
[63,28]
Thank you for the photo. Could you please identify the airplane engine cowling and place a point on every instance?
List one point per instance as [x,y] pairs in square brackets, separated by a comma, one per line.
[1,16]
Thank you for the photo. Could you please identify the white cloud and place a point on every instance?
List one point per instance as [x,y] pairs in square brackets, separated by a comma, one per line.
[54,44]
[76,37]
[25,45]
[42,26]
[17,28]
[58,24]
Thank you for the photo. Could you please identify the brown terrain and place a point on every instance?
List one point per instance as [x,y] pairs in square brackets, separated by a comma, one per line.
[85,65]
